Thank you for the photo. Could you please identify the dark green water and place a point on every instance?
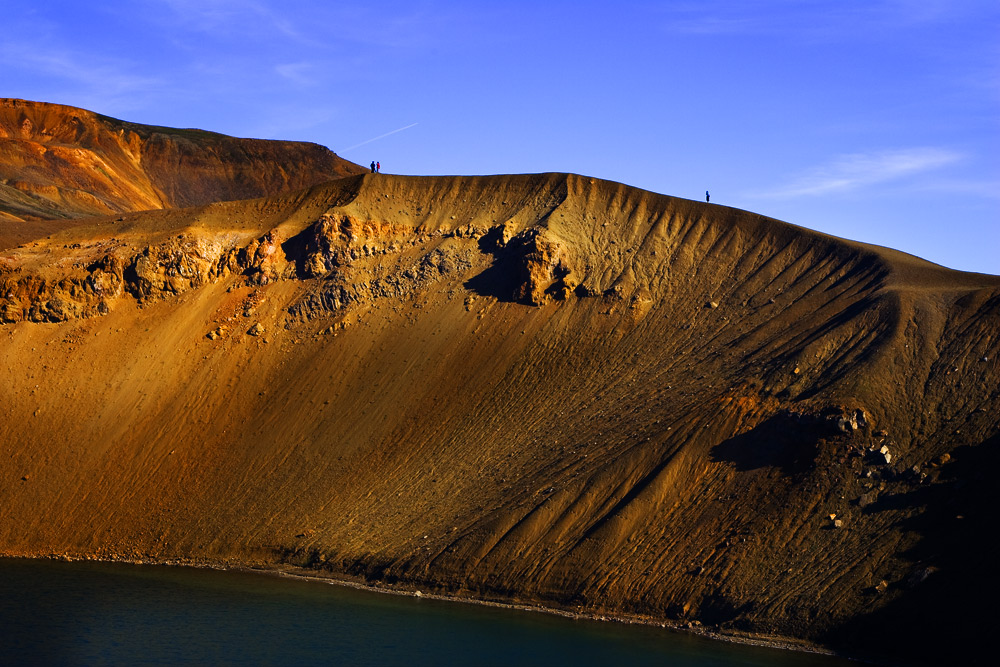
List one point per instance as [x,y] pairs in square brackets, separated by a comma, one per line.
[100,614]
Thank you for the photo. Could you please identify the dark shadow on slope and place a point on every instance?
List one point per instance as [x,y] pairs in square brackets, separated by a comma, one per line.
[945,608]
[502,278]
[787,441]
[298,248]
[498,281]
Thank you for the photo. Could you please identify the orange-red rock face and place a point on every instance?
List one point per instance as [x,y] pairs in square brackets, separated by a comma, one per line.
[62,162]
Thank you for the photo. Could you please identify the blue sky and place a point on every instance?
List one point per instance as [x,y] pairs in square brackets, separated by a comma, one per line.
[877,121]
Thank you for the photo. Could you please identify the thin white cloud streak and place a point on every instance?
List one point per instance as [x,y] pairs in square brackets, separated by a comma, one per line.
[320,27]
[239,17]
[96,78]
[861,170]
[381,136]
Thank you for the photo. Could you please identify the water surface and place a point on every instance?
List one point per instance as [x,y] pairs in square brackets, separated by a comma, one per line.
[102,613]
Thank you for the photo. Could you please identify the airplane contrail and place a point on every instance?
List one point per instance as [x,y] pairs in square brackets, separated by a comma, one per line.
[381,136]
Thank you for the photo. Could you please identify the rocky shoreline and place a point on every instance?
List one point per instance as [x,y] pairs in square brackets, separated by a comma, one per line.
[405,590]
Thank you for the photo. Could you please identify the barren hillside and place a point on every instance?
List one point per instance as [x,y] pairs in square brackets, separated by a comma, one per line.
[59,162]
[543,388]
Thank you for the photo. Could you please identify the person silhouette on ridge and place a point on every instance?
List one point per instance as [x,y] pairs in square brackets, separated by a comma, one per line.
[373,166]
[707,197]
[378,167]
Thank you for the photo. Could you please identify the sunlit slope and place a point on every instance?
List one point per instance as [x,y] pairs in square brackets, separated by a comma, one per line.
[59,162]
[545,388]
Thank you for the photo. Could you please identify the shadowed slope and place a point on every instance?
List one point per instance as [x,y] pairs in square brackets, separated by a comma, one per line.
[545,388]
[59,162]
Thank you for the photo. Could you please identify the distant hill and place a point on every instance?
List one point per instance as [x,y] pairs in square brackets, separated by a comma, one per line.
[59,162]
[546,389]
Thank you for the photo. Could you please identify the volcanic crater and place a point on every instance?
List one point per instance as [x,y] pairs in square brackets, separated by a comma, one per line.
[545,389]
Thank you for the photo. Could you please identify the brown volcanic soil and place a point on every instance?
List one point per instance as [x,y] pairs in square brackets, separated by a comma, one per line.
[59,162]
[543,388]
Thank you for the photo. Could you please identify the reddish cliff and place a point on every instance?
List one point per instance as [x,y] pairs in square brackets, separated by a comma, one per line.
[59,162]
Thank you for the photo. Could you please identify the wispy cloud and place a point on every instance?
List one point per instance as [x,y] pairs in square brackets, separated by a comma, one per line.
[89,79]
[237,17]
[860,170]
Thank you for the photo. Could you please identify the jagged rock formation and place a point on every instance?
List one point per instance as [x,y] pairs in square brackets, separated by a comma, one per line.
[59,162]
[545,388]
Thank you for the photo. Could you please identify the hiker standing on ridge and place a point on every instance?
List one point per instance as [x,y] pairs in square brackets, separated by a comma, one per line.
[707,197]
[373,166]
[378,167]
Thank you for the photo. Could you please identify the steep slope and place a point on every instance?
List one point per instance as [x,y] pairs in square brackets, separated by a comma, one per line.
[59,162]
[546,388]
